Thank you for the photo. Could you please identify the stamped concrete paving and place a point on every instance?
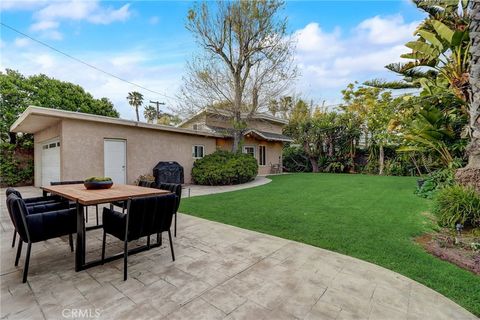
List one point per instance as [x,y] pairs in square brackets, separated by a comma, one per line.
[221,272]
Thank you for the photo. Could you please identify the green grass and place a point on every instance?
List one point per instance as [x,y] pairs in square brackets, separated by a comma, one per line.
[372,218]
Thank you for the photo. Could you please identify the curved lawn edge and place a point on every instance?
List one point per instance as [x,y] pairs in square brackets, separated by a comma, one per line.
[370,218]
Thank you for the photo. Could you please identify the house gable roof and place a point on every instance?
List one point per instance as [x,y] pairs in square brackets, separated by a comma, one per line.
[259,116]
[35,119]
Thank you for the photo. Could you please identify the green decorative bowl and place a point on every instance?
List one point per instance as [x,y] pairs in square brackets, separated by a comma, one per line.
[91,185]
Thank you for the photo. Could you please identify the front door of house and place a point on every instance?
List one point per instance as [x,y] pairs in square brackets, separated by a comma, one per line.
[115,160]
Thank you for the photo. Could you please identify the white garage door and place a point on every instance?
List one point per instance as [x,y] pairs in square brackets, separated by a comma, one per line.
[115,159]
[50,162]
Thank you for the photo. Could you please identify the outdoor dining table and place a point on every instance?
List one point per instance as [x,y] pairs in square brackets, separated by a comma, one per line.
[83,197]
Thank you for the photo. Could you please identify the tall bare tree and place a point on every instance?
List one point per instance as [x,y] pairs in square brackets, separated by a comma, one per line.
[470,175]
[247,59]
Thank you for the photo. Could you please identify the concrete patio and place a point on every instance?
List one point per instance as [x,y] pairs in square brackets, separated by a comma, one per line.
[221,272]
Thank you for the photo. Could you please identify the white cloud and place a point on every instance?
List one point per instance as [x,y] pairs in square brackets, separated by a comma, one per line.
[391,29]
[328,61]
[83,10]
[50,14]
[21,4]
[21,42]
[44,25]
[313,39]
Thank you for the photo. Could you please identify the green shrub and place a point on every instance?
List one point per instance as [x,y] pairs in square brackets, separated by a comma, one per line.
[98,179]
[436,181]
[295,160]
[457,204]
[223,168]
[16,165]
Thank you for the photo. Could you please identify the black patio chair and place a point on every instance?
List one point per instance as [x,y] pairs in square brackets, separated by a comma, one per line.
[145,216]
[29,202]
[36,227]
[58,183]
[177,190]
[142,183]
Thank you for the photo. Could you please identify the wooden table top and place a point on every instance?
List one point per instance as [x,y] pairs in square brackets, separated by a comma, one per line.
[118,192]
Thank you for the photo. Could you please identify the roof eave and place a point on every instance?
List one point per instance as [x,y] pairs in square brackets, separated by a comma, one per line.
[63,114]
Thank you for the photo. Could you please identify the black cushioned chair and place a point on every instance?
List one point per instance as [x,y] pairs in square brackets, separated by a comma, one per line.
[145,216]
[177,190]
[141,183]
[29,202]
[58,183]
[36,227]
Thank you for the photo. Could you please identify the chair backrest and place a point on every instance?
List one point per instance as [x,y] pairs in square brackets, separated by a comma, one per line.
[17,211]
[146,184]
[10,191]
[173,188]
[149,215]
[58,183]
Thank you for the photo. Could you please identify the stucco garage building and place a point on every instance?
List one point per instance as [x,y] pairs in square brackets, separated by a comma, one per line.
[74,146]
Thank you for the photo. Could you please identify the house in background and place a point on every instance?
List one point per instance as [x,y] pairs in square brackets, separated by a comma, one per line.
[263,137]
[73,146]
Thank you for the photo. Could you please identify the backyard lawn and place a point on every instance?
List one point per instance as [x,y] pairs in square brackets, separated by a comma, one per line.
[374,218]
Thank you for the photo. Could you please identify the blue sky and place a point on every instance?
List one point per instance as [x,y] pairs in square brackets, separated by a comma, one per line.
[146,42]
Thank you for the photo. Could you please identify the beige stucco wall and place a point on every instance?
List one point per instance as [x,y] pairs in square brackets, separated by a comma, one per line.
[83,142]
[39,139]
[273,151]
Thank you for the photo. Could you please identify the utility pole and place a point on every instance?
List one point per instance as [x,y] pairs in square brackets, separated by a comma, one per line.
[158,103]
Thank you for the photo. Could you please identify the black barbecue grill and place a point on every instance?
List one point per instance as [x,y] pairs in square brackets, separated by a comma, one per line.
[168,172]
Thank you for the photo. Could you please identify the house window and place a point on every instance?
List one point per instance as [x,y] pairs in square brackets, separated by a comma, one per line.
[262,157]
[197,151]
[198,126]
[249,150]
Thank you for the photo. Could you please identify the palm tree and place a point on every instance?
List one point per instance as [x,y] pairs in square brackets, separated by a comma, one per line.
[135,99]
[150,113]
[470,175]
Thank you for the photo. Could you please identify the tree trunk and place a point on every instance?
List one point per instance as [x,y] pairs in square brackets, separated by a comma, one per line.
[470,175]
[237,138]
[352,156]
[314,163]
[12,137]
[381,160]
[136,111]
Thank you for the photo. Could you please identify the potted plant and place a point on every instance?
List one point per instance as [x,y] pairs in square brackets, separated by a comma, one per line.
[98,183]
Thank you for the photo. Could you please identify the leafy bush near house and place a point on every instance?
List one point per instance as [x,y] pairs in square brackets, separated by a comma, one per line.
[457,204]
[223,168]
[295,160]
[16,165]
[436,181]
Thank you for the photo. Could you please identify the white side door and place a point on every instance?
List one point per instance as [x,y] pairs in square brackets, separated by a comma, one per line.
[50,162]
[115,160]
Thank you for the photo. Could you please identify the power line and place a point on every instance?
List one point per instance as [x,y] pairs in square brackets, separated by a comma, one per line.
[85,63]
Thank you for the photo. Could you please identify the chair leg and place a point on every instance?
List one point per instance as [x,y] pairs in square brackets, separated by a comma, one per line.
[19,251]
[125,255]
[103,246]
[96,206]
[175,230]
[27,262]
[86,214]
[14,238]
[171,244]
[148,242]
[159,239]
[70,240]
